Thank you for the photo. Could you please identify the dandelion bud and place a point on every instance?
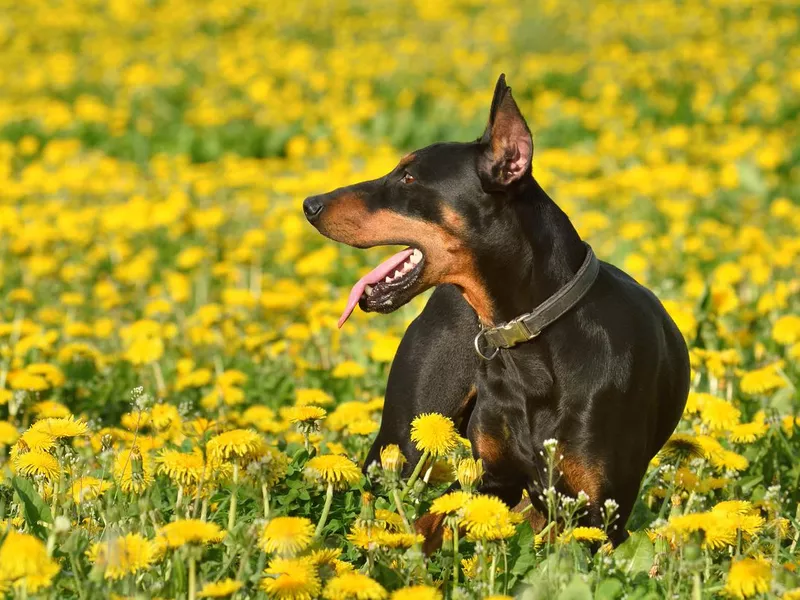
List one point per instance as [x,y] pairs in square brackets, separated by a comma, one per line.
[137,464]
[469,472]
[106,442]
[367,515]
[392,459]
[22,447]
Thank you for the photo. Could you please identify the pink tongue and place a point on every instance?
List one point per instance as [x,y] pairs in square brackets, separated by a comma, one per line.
[377,274]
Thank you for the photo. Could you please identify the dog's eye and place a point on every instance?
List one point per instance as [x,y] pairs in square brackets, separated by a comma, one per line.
[408,178]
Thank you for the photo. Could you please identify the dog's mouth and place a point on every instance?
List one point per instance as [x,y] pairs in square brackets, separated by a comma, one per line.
[388,286]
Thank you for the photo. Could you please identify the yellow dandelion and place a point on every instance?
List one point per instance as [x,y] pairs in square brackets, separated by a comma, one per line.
[786,329]
[719,414]
[469,472]
[51,409]
[324,556]
[88,488]
[188,531]
[61,428]
[184,468]
[291,579]
[392,458]
[133,470]
[362,536]
[238,443]
[434,433]
[305,414]
[747,433]
[220,589]
[348,369]
[333,468]
[388,519]
[487,518]
[682,446]
[306,396]
[38,464]
[8,433]
[397,539]
[286,535]
[353,586]
[123,556]
[362,427]
[748,577]
[583,534]
[763,380]
[417,592]
[28,382]
[450,503]
[24,562]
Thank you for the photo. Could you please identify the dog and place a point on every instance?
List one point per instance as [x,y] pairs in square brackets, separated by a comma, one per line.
[526,337]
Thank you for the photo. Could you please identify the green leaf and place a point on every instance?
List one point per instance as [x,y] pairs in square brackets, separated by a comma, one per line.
[577,589]
[782,400]
[35,509]
[609,589]
[523,548]
[636,554]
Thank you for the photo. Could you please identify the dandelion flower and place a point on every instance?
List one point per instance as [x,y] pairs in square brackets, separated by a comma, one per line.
[353,586]
[123,556]
[397,539]
[388,519]
[88,488]
[184,468]
[362,427]
[8,433]
[28,382]
[188,531]
[286,535]
[133,471]
[747,433]
[719,414]
[238,443]
[333,468]
[786,329]
[487,518]
[682,446]
[324,556]
[450,503]
[25,563]
[392,458]
[763,380]
[306,396]
[417,592]
[35,463]
[291,579]
[584,534]
[434,433]
[303,414]
[748,577]
[61,428]
[220,589]
[469,472]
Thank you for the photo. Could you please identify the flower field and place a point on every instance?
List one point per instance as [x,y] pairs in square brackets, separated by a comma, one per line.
[180,416]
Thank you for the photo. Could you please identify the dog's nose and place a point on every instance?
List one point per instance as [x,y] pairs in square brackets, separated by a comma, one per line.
[313,206]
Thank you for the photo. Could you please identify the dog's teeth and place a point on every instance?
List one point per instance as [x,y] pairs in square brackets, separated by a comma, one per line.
[368,290]
[416,256]
[388,279]
[407,266]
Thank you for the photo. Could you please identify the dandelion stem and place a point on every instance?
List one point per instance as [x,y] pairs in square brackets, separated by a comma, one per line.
[399,503]
[162,387]
[178,501]
[265,495]
[415,474]
[192,578]
[232,511]
[325,510]
[456,557]
[492,570]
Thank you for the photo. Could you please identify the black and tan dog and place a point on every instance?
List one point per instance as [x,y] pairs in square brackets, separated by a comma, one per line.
[594,362]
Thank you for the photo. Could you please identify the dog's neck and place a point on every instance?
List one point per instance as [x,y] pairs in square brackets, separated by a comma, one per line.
[542,255]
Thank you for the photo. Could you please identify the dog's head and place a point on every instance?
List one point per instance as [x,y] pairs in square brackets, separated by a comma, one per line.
[446,203]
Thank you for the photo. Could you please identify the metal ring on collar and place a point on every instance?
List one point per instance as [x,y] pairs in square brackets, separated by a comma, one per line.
[478,337]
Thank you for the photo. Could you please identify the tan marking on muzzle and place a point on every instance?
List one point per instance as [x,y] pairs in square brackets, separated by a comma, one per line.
[447,258]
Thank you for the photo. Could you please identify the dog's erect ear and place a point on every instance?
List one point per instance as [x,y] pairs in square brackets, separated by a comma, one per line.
[507,140]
